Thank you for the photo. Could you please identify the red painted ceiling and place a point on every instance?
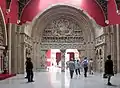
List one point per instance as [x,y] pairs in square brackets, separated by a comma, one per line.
[36,6]
[113,17]
[13,15]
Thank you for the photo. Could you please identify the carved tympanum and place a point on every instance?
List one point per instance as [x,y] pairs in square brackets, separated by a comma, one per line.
[63,30]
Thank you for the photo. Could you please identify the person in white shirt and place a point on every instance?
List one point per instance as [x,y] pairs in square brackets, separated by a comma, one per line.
[91,66]
[71,67]
[77,67]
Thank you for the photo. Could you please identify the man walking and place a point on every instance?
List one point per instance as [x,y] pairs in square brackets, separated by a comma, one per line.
[109,69]
[85,66]
[29,68]
[71,67]
[27,59]
[77,67]
[91,66]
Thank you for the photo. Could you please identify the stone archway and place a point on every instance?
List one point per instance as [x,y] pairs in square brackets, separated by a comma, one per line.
[63,27]
[3,29]
[3,44]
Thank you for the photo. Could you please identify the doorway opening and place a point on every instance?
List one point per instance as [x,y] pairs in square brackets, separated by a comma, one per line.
[54,58]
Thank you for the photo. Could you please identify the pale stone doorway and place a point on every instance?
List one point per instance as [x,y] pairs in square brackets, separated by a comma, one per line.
[63,27]
[55,61]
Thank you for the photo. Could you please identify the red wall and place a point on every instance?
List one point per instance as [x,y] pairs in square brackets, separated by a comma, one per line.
[36,6]
[3,7]
[113,17]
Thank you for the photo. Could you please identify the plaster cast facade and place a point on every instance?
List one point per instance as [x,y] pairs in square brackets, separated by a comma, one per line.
[64,30]
[62,27]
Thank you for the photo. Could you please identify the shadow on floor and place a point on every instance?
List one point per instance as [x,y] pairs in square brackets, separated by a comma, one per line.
[114,86]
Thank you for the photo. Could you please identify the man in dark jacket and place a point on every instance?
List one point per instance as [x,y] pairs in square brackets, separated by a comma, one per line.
[29,69]
[109,68]
[27,59]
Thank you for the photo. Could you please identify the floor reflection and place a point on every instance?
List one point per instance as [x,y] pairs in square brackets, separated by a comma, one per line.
[58,79]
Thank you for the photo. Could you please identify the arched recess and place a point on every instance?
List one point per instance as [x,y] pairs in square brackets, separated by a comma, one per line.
[55,11]
[84,21]
[3,41]
[3,28]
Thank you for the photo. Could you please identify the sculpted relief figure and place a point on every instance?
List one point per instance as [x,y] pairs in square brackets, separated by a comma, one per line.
[63,30]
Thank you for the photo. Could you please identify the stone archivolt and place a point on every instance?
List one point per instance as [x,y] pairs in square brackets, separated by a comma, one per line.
[63,27]
[1,36]
[1,32]
[28,40]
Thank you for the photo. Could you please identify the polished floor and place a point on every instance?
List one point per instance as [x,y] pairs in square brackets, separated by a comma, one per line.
[60,80]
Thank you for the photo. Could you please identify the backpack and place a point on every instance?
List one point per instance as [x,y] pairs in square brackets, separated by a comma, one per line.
[85,63]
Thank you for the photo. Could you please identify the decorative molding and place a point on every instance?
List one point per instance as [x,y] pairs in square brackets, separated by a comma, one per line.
[2,31]
[100,40]
[27,39]
[62,46]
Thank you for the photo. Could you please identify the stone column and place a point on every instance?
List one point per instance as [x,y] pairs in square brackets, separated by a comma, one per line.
[9,47]
[14,47]
[93,50]
[63,68]
[88,49]
[34,55]
[42,59]
[108,40]
[22,59]
[37,52]
[62,60]
[115,48]
[118,47]
[111,33]
[22,52]
[80,55]
[37,55]
[104,56]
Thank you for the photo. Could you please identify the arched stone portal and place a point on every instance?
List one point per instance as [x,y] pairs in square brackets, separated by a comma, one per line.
[63,27]
[3,45]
